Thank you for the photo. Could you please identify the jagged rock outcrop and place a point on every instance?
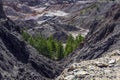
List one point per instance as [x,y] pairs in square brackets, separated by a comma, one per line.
[18,60]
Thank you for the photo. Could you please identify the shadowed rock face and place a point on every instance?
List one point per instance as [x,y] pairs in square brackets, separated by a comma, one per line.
[2,14]
[18,60]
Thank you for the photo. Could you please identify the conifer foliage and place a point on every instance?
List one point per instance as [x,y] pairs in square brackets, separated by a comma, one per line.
[51,48]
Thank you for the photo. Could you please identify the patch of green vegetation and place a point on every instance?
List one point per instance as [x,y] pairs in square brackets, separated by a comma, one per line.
[51,48]
[72,43]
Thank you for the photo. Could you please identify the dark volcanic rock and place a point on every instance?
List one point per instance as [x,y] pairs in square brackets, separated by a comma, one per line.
[60,36]
[25,9]
[52,28]
[18,60]
[10,11]
[15,53]
[2,14]
[26,24]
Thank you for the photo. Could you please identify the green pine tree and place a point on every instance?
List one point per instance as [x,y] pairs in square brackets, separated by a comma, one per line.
[60,51]
[69,45]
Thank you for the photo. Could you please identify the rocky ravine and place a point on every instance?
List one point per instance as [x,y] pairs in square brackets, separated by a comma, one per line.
[18,60]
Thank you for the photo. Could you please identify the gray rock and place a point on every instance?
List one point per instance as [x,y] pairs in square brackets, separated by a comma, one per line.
[101,64]
[70,77]
[81,73]
[10,11]
[25,9]
[112,61]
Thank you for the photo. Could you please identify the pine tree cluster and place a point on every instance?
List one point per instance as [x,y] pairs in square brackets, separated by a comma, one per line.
[51,48]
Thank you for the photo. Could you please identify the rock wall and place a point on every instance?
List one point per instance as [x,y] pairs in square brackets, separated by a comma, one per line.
[18,60]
